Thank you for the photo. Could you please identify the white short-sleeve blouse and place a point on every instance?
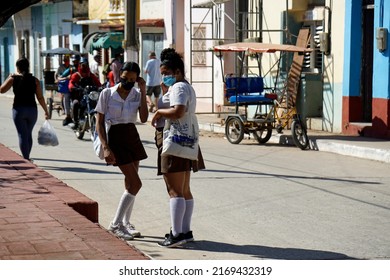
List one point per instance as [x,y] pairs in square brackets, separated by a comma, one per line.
[117,110]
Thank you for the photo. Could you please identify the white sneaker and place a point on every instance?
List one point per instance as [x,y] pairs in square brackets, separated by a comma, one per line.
[131,229]
[120,231]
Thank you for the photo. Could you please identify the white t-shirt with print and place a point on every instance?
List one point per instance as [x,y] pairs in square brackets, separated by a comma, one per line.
[117,110]
[182,93]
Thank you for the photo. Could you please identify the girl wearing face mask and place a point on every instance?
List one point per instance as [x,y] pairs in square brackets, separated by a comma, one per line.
[119,106]
[177,171]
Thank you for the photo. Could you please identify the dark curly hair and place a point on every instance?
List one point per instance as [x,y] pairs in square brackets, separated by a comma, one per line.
[132,67]
[172,60]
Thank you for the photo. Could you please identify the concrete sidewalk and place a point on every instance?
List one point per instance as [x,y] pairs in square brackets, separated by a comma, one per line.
[41,218]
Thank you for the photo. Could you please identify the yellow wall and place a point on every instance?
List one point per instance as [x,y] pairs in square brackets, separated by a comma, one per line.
[98,9]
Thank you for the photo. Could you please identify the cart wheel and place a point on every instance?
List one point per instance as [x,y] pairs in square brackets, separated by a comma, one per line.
[263,134]
[234,130]
[279,128]
[299,134]
[49,104]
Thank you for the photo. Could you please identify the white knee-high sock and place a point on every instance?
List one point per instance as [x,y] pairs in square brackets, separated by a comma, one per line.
[177,207]
[126,217]
[126,200]
[188,215]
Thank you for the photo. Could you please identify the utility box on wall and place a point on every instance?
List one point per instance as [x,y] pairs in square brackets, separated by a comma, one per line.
[310,97]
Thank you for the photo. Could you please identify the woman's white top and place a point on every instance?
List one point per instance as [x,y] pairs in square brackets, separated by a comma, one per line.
[117,110]
[182,93]
[162,103]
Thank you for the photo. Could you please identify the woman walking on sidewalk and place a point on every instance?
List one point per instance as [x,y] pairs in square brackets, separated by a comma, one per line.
[119,106]
[177,170]
[24,108]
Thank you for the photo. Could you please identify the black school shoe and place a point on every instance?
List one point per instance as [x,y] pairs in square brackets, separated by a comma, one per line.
[171,241]
[67,121]
[187,236]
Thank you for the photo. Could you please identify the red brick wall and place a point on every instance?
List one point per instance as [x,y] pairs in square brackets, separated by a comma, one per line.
[352,112]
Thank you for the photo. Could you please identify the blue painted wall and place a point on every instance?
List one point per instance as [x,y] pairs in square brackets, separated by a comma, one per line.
[7,56]
[381,77]
[352,49]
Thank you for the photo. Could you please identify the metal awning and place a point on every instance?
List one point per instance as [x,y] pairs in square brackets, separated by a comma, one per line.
[108,40]
[59,51]
[88,21]
[103,40]
[251,47]
[209,3]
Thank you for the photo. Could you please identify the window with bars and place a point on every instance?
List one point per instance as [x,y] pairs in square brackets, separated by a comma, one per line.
[199,45]
[314,19]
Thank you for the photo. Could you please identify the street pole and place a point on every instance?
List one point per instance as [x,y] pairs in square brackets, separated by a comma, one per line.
[130,42]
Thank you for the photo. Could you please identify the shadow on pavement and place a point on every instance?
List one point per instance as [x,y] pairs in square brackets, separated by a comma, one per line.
[308,184]
[80,169]
[289,176]
[264,252]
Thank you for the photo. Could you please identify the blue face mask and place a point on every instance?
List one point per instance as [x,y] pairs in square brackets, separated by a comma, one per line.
[168,80]
[127,85]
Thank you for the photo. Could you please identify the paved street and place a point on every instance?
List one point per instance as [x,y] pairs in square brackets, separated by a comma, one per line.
[252,202]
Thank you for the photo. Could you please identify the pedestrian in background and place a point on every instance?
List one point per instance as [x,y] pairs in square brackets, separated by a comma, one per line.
[177,170]
[116,66]
[94,66]
[119,106]
[78,81]
[62,81]
[24,109]
[74,67]
[66,75]
[109,75]
[153,80]
[64,66]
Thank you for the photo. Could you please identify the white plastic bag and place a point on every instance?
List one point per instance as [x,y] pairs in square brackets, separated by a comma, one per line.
[97,146]
[47,135]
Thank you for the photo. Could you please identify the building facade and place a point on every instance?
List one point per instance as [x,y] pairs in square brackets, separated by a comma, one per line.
[345,84]
[44,26]
[366,89]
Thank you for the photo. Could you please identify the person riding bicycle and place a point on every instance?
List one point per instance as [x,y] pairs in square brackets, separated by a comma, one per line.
[78,81]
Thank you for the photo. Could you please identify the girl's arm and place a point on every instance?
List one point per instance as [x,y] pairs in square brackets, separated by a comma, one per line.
[7,84]
[143,109]
[40,98]
[173,113]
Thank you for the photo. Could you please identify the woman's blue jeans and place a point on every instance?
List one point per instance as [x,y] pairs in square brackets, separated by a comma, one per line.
[25,119]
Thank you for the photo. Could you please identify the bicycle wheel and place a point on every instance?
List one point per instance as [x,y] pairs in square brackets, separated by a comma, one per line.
[299,134]
[263,134]
[80,131]
[234,130]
